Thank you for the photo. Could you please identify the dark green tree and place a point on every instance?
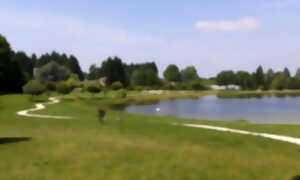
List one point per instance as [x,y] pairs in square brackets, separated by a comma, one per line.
[189,74]
[11,77]
[114,70]
[260,77]
[148,66]
[294,82]
[226,78]
[142,77]
[25,63]
[245,80]
[94,72]
[172,73]
[269,78]
[52,72]
[74,67]
[286,72]
[280,81]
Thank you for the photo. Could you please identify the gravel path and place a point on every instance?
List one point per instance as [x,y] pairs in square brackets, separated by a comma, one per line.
[42,106]
[264,135]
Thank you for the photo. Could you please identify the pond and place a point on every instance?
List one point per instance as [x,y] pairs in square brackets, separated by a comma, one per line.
[266,110]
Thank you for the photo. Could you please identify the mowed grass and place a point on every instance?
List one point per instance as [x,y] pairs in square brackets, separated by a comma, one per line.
[141,147]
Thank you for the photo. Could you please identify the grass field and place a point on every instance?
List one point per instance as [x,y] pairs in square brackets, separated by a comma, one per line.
[141,147]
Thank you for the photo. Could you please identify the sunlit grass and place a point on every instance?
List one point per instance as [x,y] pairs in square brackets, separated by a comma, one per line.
[143,147]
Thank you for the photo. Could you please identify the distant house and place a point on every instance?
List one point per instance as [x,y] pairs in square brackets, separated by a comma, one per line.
[103,81]
[228,87]
[217,87]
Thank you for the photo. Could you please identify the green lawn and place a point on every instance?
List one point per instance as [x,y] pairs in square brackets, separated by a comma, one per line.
[143,147]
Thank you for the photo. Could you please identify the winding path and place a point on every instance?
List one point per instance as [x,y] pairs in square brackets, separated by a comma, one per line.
[54,100]
[264,135]
[41,106]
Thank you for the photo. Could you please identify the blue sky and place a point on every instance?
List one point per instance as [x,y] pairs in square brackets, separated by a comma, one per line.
[213,35]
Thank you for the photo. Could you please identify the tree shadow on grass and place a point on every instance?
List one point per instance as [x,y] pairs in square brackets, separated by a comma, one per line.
[9,140]
[296,177]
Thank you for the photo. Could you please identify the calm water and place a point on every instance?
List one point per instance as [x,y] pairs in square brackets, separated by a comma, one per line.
[270,110]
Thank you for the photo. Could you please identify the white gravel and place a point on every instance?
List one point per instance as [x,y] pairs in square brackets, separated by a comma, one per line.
[42,106]
[264,135]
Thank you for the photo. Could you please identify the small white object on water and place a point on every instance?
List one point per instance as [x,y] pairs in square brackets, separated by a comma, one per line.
[157,109]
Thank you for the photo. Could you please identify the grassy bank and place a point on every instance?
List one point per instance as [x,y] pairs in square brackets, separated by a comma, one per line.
[257,94]
[141,147]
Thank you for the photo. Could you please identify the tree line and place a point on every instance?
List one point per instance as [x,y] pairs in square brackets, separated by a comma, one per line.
[17,68]
[264,80]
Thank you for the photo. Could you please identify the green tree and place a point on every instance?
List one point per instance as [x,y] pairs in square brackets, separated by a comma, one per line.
[144,78]
[52,72]
[245,80]
[114,70]
[74,67]
[25,63]
[286,72]
[130,69]
[294,82]
[189,74]
[269,78]
[260,77]
[172,73]
[280,81]
[94,72]
[226,78]
[11,77]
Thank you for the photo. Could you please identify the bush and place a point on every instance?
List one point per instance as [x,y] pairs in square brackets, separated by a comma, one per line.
[169,87]
[116,85]
[63,88]
[93,88]
[50,86]
[73,82]
[121,94]
[195,85]
[77,90]
[138,88]
[34,88]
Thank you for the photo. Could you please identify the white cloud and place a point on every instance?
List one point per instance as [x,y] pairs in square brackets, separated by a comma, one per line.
[281,3]
[240,25]
[73,28]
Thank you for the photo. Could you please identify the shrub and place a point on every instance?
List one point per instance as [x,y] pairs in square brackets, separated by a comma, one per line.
[169,87]
[138,88]
[116,85]
[73,81]
[93,88]
[77,90]
[63,88]
[121,94]
[195,85]
[34,88]
[50,86]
